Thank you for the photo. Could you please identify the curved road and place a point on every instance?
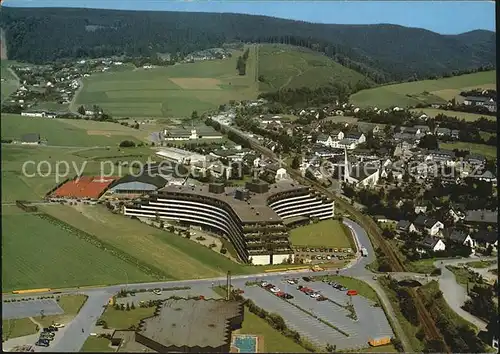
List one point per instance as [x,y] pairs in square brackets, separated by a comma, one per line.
[454,293]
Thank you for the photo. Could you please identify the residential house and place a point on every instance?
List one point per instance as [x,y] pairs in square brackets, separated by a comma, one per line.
[431,244]
[484,238]
[422,129]
[405,226]
[487,102]
[475,160]
[420,209]
[356,137]
[33,114]
[281,175]
[30,139]
[455,133]
[459,236]
[487,176]
[442,156]
[481,217]
[338,135]
[431,225]
[457,213]
[345,144]
[324,139]
[443,132]
[411,131]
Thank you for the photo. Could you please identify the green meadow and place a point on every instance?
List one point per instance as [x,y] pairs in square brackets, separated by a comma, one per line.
[425,91]
[173,91]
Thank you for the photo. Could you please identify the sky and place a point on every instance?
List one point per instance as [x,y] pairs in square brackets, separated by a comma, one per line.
[445,17]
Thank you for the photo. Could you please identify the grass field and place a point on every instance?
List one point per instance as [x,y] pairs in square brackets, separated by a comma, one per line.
[432,112]
[32,185]
[59,133]
[284,66]
[118,319]
[96,345]
[176,257]
[274,341]
[327,233]
[9,82]
[426,91]
[38,254]
[173,91]
[71,304]
[481,264]
[487,150]
[354,284]
[424,266]
[18,328]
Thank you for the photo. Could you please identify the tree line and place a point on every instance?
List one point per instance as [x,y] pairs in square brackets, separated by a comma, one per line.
[46,35]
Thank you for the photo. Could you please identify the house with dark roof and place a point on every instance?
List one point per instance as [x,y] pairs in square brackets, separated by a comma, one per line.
[443,132]
[431,244]
[486,102]
[30,139]
[484,238]
[431,225]
[475,217]
[459,236]
[475,159]
[405,226]
[443,156]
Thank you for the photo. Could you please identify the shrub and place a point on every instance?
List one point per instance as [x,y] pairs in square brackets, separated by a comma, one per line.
[223,250]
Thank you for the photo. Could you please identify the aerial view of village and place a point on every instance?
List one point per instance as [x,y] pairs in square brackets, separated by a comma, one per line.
[249,177]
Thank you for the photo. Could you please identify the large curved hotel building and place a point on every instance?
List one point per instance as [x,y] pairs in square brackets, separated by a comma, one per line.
[255,218]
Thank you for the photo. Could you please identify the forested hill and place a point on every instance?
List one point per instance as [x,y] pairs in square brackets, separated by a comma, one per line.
[381,52]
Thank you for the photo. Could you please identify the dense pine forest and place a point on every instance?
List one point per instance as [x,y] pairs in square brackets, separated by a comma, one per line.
[383,53]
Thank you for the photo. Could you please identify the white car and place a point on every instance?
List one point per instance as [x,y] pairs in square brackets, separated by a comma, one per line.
[314,295]
[157,291]
[264,283]
[290,281]
[58,325]
[328,257]
[275,290]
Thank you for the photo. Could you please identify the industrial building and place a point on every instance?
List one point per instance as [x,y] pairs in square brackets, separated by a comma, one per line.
[253,218]
[185,326]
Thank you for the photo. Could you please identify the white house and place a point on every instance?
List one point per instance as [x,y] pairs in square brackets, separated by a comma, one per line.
[281,175]
[431,225]
[460,237]
[33,114]
[420,209]
[431,244]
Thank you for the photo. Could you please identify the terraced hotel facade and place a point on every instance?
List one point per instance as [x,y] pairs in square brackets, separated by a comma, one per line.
[253,218]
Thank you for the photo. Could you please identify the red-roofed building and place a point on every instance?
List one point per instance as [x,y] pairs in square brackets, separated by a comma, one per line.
[84,187]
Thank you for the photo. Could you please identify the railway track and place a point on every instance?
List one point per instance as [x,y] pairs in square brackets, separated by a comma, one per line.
[375,235]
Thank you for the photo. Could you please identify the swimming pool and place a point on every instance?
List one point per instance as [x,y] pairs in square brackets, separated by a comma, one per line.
[245,343]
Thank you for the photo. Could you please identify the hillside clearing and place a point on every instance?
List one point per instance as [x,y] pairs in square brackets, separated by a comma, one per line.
[283,66]
[425,91]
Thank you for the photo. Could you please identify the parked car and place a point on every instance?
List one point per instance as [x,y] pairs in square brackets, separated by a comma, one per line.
[280,294]
[291,281]
[306,279]
[48,334]
[42,337]
[275,290]
[288,296]
[328,257]
[335,250]
[157,291]
[321,298]
[42,343]
[264,284]
[269,286]
[314,295]
[342,288]
[50,329]
[60,325]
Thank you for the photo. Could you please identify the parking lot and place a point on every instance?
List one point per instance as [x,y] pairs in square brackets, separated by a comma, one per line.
[371,321]
[32,308]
